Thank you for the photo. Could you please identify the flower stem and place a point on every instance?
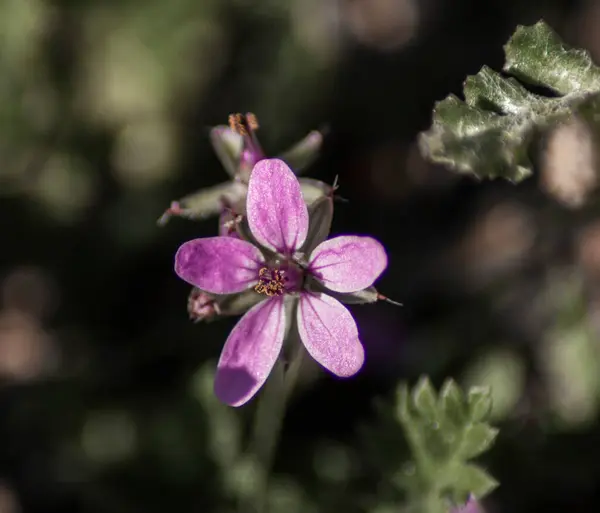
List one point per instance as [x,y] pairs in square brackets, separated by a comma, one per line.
[268,423]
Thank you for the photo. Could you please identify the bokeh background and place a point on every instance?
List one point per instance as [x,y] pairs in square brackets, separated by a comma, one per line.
[106,401]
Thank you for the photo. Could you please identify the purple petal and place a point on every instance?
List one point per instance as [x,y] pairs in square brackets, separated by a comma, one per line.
[250,352]
[329,334]
[277,214]
[219,265]
[470,507]
[348,263]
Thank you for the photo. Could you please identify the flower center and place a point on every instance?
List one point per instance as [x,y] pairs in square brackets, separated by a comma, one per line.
[280,277]
[271,282]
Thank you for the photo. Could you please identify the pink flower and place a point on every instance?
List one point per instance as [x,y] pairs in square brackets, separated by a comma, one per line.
[285,268]
[470,507]
[239,149]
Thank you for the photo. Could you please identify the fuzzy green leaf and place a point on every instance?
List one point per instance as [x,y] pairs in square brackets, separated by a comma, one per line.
[453,403]
[471,479]
[489,134]
[441,437]
[403,404]
[480,403]
[477,438]
[425,400]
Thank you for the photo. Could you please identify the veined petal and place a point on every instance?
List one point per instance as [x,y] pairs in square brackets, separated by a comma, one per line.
[329,334]
[348,263]
[277,214]
[250,352]
[219,265]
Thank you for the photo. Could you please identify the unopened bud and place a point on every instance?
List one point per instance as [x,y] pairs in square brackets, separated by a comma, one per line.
[173,210]
[201,305]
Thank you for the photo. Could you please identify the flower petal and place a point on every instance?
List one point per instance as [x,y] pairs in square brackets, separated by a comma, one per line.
[277,214]
[348,263]
[220,265]
[250,352]
[329,334]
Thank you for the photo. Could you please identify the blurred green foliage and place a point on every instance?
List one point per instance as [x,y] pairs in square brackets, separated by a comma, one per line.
[443,433]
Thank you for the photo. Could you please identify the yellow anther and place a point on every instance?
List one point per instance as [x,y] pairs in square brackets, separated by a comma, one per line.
[270,282]
[241,124]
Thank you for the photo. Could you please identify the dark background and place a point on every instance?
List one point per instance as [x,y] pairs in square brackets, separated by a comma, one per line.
[105,386]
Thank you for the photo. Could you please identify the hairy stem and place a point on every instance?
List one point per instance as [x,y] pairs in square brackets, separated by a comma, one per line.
[268,423]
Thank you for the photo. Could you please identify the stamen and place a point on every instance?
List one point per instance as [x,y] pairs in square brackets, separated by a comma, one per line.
[236,218]
[252,121]
[243,125]
[271,282]
[231,226]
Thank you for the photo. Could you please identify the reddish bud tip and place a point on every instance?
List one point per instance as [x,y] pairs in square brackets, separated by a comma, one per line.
[381,297]
[201,306]
[173,210]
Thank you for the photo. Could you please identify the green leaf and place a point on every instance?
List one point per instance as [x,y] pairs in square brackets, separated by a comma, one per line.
[489,134]
[480,403]
[438,468]
[425,399]
[402,404]
[453,403]
[477,438]
[537,55]
[472,479]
